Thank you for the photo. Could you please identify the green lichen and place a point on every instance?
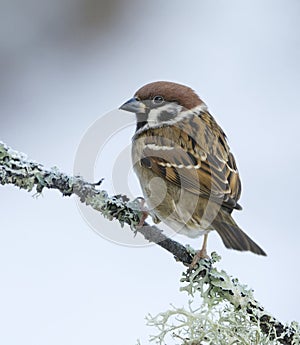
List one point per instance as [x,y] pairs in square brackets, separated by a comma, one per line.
[219,311]
[16,169]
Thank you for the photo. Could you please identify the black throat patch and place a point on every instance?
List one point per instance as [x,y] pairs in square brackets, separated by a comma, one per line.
[141,121]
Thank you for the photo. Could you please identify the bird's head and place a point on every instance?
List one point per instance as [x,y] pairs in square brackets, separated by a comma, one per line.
[161,103]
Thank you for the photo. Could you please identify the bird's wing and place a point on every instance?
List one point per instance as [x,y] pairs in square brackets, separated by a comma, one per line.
[197,159]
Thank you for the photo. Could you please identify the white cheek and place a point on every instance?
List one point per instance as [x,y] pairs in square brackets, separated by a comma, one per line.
[153,116]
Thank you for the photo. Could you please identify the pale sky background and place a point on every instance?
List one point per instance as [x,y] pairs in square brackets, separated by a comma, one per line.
[64,64]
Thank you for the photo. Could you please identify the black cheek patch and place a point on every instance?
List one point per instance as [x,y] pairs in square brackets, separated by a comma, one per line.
[167,115]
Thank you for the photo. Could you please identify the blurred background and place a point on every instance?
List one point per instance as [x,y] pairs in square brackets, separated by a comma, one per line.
[64,63]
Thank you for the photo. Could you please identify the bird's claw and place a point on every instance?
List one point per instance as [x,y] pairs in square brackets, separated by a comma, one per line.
[143,209]
[201,254]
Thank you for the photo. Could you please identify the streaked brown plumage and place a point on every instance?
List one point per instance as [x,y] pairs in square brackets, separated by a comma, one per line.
[188,174]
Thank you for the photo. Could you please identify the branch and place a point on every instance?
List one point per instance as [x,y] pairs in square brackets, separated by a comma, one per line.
[222,287]
[17,169]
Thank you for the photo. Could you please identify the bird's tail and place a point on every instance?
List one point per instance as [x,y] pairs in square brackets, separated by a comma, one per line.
[234,237]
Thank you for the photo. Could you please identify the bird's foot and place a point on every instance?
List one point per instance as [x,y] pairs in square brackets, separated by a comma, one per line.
[201,254]
[144,211]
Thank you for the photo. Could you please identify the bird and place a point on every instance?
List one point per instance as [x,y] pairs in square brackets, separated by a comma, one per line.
[188,175]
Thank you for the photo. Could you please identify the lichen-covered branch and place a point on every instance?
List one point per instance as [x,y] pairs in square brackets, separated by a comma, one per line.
[17,169]
[226,314]
[246,314]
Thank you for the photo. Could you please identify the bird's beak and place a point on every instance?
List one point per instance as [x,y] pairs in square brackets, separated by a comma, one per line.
[134,106]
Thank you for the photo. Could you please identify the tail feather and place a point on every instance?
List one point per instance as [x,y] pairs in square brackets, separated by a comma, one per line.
[233,237]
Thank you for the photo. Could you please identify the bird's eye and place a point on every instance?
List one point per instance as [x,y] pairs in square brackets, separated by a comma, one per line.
[158,100]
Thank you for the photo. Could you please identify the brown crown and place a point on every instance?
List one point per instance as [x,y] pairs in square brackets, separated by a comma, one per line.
[182,94]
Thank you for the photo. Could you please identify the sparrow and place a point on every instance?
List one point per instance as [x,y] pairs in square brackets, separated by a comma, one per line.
[186,170]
